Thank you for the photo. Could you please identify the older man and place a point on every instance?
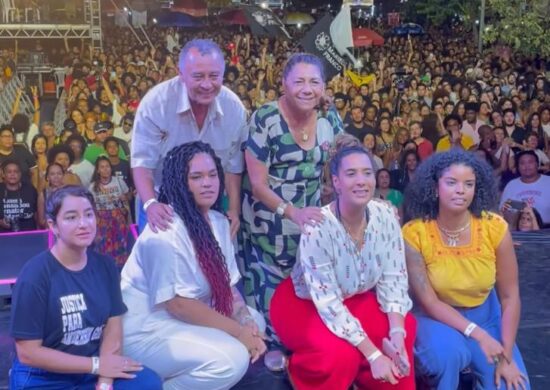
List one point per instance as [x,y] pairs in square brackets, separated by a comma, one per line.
[189,107]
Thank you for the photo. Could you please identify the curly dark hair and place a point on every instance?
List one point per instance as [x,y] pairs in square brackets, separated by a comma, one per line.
[175,192]
[58,149]
[420,198]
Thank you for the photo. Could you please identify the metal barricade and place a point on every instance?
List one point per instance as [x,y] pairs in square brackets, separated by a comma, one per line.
[60,113]
[7,99]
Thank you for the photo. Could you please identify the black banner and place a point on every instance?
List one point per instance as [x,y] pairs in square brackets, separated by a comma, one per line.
[318,41]
[263,22]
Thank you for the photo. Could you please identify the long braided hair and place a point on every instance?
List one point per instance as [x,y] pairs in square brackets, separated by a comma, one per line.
[175,191]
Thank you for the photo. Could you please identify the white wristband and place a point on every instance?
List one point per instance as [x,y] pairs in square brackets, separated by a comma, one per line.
[373,356]
[469,329]
[398,329]
[95,365]
[149,203]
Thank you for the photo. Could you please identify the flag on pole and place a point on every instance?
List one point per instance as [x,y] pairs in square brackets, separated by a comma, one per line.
[330,39]
[263,22]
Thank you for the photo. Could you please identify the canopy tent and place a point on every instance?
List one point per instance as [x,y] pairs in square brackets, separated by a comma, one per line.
[197,8]
[408,29]
[364,37]
[294,18]
[234,17]
[178,19]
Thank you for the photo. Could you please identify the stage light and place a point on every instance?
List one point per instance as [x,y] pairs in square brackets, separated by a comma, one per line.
[155,21]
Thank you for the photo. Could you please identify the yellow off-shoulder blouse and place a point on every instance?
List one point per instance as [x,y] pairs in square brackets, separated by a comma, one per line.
[461,276]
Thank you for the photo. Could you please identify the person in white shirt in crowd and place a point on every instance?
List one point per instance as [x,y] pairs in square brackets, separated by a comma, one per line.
[531,187]
[191,106]
[80,167]
[471,124]
[186,317]
[124,131]
[328,313]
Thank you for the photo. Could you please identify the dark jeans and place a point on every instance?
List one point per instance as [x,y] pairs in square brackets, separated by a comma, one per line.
[26,377]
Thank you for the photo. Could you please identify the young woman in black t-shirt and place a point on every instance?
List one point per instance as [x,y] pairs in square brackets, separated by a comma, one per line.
[67,308]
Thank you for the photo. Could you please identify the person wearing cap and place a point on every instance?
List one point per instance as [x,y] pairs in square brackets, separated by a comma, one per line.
[93,151]
[190,107]
[19,153]
[472,124]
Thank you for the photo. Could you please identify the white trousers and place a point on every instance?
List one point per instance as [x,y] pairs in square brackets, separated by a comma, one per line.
[187,357]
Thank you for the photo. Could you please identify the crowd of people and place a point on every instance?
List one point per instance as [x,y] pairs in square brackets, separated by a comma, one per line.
[247,163]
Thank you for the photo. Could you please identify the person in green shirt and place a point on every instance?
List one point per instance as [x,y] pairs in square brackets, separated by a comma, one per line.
[383,190]
[93,151]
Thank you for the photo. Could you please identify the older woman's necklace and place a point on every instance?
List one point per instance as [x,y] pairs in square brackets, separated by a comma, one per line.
[453,236]
[304,136]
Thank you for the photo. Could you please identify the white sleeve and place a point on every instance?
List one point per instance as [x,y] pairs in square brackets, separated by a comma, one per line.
[506,194]
[235,163]
[145,149]
[33,130]
[316,257]
[392,287]
[170,268]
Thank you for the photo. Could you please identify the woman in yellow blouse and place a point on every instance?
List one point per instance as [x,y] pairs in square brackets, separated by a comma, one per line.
[463,275]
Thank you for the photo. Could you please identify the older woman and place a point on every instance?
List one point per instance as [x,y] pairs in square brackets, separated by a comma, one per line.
[348,291]
[288,144]
[186,318]
[464,277]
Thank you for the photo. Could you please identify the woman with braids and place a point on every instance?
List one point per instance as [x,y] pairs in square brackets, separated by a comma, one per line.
[348,291]
[463,274]
[186,318]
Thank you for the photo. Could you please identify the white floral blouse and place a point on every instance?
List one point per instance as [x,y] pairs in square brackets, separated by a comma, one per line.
[329,269]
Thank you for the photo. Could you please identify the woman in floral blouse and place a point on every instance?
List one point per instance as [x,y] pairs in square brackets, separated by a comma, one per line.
[348,290]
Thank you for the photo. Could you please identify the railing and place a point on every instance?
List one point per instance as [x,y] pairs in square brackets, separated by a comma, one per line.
[7,98]
[60,113]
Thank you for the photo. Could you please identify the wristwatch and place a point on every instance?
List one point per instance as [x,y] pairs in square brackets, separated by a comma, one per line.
[104,386]
[281,208]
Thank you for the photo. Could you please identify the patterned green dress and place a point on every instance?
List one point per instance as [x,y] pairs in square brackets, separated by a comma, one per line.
[267,242]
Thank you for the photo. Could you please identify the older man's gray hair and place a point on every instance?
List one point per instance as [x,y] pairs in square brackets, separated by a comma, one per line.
[204,47]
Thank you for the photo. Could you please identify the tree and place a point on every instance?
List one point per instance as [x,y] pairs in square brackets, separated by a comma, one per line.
[521,24]
[440,12]
[437,12]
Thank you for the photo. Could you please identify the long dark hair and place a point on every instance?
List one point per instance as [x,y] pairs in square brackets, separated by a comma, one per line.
[175,191]
[95,175]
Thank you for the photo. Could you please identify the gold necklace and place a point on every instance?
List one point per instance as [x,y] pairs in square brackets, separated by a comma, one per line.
[358,243]
[453,236]
[303,134]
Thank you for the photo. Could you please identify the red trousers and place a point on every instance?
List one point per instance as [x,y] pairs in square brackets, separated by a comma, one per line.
[321,360]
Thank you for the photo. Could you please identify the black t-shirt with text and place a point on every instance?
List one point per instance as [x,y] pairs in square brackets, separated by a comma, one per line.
[66,309]
[122,169]
[19,207]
